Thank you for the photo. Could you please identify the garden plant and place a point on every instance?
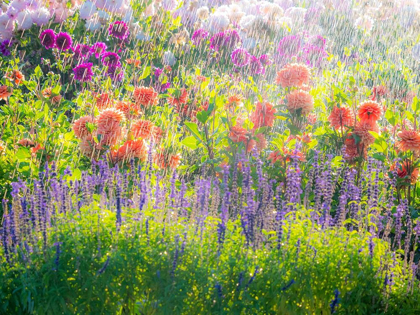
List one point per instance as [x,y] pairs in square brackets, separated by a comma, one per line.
[209,157]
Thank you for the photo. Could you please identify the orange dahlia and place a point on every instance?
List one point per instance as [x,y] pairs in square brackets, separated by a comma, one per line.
[26,142]
[157,133]
[174,160]
[201,78]
[2,147]
[234,101]
[312,119]
[341,117]
[370,111]
[410,141]
[263,115]
[80,127]
[103,101]
[293,75]
[35,149]
[47,93]
[275,156]
[238,134]
[109,129]
[379,90]
[261,142]
[351,148]
[300,100]
[145,96]
[179,97]
[167,160]
[88,146]
[142,129]
[250,145]
[362,129]
[5,92]
[15,76]
[406,171]
[129,150]
[134,62]
[129,109]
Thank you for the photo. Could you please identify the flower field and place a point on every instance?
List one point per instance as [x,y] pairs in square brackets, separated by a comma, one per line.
[209,157]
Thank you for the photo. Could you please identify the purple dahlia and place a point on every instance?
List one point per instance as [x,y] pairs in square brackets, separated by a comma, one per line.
[289,46]
[82,51]
[232,39]
[228,39]
[63,41]
[48,38]
[116,73]
[198,36]
[4,47]
[98,49]
[240,57]
[119,29]
[83,72]
[265,60]
[110,59]
[256,66]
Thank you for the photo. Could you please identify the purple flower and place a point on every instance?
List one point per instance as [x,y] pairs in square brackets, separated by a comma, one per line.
[4,47]
[232,39]
[313,55]
[318,41]
[111,59]
[335,301]
[228,39]
[217,40]
[98,49]
[48,38]
[83,72]
[115,73]
[158,72]
[119,29]
[63,41]
[256,66]
[265,60]
[198,36]
[82,51]
[289,46]
[240,57]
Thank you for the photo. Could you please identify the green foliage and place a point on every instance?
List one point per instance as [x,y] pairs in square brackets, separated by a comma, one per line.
[177,268]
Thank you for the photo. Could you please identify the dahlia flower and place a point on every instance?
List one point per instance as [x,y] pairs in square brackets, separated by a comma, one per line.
[48,38]
[410,141]
[83,72]
[63,41]
[145,96]
[119,29]
[341,117]
[80,128]
[263,115]
[293,75]
[369,110]
[300,100]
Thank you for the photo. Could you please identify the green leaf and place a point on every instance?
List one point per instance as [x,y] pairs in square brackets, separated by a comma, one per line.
[415,105]
[193,128]
[375,134]
[145,74]
[337,161]
[203,116]
[56,90]
[190,142]
[379,156]
[389,115]
[38,72]
[23,154]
